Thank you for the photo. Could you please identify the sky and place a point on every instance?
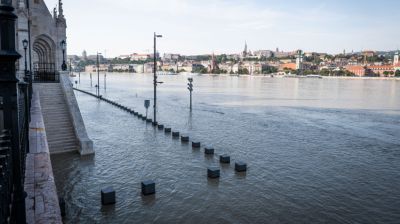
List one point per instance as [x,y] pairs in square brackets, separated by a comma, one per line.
[223,26]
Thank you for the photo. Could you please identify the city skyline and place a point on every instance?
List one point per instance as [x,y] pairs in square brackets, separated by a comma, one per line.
[191,27]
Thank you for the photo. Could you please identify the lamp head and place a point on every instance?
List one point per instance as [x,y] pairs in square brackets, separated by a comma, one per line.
[25,43]
[63,44]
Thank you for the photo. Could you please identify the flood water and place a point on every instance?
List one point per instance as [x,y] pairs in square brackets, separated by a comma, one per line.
[318,151]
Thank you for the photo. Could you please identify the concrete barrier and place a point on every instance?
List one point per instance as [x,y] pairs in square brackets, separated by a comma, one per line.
[160,127]
[209,151]
[108,196]
[167,130]
[184,138]
[196,144]
[213,172]
[240,166]
[148,187]
[175,134]
[225,159]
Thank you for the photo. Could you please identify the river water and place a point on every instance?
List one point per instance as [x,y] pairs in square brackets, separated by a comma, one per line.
[318,151]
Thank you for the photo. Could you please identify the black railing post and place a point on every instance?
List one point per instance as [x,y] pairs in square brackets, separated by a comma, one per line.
[9,92]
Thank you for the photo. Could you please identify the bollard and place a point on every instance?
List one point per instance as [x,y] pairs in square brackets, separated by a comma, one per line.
[108,196]
[149,120]
[140,116]
[213,172]
[167,130]
[175,134]
[160,127]
[61,203]
[240,166]
[144,118]
[196,144]
[225,159]
[148,187]
[154,123]
[184,138]
[209,151]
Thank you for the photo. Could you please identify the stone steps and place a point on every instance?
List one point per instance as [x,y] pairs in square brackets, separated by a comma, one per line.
[59,129]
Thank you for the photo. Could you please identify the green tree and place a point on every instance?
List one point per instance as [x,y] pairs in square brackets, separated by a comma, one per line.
[397,73]
[269,69]
[386,73]
[325,72]
[243,71]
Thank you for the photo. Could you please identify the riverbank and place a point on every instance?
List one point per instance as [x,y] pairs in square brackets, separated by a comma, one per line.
[269,76]
[324,77]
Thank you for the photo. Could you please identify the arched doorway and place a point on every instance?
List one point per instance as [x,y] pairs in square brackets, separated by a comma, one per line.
[44,59]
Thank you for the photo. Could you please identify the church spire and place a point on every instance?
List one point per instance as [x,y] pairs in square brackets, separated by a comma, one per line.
[60,9]
[245,52]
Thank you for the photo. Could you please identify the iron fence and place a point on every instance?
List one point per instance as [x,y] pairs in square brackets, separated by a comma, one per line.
[45,72]
[12,156]
[15,107]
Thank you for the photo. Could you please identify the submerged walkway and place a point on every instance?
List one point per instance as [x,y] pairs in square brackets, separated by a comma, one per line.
[42,205]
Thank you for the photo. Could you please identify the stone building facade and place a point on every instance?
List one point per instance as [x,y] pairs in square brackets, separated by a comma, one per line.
[47,31]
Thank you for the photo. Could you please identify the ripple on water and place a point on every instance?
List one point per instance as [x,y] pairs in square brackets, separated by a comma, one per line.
[333,159]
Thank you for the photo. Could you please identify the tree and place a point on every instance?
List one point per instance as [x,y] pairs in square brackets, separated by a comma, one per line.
[244,71]
[397,73]
[269,69]
[386,73]
[325,72]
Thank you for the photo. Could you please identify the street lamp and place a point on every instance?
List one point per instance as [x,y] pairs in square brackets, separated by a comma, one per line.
[155,75]
[25,45]
[63,47]
[98,74]
[190,88]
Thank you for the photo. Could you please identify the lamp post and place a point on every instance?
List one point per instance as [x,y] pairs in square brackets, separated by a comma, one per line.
[70,66]
[9,92]
[63,47]
[190,88]
[25,45]
[155,75]
[98,74]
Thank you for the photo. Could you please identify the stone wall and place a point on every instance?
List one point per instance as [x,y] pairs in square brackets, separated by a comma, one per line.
[42,205]
[85,144]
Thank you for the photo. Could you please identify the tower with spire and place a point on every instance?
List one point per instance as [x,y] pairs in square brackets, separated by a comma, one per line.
[245,52]
[213,64]
[60,20]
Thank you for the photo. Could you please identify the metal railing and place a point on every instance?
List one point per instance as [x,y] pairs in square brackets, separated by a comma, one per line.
[45,73]
[12,158]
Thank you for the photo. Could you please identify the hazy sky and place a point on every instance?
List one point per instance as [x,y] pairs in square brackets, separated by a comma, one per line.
[222,26]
